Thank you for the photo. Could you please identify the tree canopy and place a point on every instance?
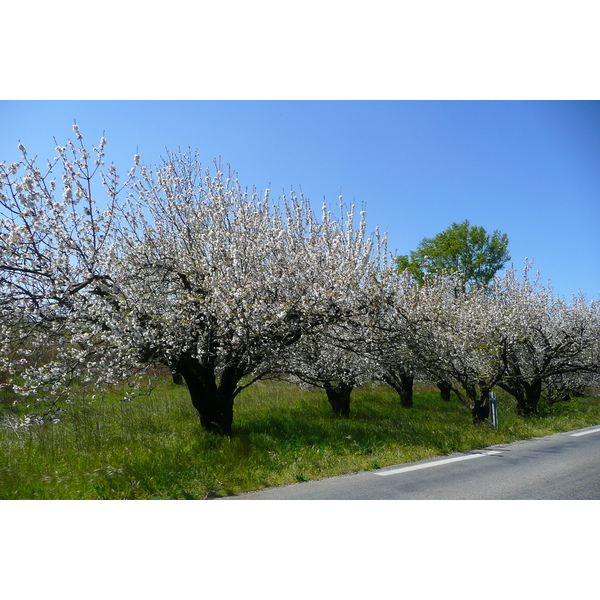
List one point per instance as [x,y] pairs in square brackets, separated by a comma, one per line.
[180,266]
[462,248]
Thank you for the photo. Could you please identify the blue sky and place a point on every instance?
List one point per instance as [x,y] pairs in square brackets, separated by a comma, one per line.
[528,168]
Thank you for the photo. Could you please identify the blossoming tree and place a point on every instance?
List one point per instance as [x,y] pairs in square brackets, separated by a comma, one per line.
[334,361]
[467,347]
[181,267]
[395,331]
[555,347]
[514,334]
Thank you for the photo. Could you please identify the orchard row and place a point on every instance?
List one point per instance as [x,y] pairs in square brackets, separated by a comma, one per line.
[103,277]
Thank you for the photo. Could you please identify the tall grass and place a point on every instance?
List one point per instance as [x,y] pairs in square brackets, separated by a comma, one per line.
[153,447]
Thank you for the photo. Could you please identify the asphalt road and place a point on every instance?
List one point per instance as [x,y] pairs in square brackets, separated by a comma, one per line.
[563,466]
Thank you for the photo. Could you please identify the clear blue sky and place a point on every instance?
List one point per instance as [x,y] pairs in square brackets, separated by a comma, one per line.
[528,168]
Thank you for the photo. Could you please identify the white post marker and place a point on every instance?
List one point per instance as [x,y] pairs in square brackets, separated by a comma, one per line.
[493,412]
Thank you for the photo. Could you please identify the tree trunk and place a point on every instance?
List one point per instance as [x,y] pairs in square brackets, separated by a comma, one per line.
[526,394]
[476,397]
[481,406]
[406,390]
[533,393]
[338,395]
[403,383]
[213,400]
[177,378]
[445,390]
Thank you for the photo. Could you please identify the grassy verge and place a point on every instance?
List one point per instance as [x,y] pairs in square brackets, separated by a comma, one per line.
[153,447]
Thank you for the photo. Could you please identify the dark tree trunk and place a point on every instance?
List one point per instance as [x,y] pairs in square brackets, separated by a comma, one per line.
[445,390]
[476,397]
[530,404]
[481,405]
[406,390]
[526,394]
[403,383]
[211,398]
[338,395]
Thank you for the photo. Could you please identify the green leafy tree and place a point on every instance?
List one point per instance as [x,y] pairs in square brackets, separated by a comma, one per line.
[462,248]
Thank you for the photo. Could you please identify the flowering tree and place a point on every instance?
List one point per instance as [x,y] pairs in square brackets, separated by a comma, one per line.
[183,268]
[513,334]
[467,253]
[335,357]
[555,346]
[334,361]
[471,341]
[396,318]
[54,244]
[433,330]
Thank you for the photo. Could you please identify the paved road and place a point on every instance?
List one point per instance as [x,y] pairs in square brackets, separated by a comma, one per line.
[563,466]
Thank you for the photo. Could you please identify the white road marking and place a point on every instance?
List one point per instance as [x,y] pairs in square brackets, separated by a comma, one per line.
[434,463]
[585,432]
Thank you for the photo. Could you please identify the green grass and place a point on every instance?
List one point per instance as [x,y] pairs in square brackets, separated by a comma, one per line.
[153,447]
